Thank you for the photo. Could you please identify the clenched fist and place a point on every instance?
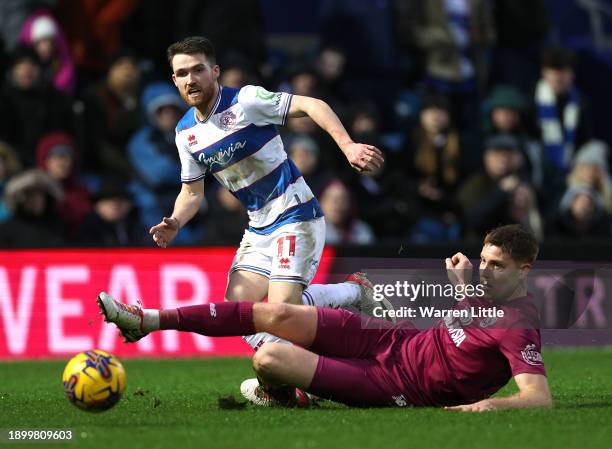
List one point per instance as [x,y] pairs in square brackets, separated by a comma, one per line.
[459,269]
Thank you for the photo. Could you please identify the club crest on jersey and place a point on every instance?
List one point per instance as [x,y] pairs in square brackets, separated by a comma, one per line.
[531,355]
[227,120]
[488,321]
[191,139]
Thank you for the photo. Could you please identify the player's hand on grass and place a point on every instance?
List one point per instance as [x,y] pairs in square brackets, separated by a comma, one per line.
[481,406]
[459,269]
[164,232]
[364,158]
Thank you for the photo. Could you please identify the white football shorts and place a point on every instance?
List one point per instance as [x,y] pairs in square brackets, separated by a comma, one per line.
[291,253]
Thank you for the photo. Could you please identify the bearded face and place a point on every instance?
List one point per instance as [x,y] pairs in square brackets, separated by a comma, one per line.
[196,79]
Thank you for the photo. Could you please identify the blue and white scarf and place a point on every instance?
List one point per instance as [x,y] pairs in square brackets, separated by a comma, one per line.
[558,145]
[458,13]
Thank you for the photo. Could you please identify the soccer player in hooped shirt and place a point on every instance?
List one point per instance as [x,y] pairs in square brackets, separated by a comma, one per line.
[361,361]
[231,134]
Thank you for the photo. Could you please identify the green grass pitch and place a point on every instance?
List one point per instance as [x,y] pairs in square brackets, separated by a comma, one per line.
[174,404]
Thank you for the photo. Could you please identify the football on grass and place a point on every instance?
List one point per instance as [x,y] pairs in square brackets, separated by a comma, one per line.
[94,380]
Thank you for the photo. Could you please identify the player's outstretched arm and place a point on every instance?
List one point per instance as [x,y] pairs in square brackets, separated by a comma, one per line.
[361,156]
[533,392]
[186,206]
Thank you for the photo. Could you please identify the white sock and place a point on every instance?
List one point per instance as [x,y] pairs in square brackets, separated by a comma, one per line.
[321,295]
[256,340]
[150,320]
[332,295]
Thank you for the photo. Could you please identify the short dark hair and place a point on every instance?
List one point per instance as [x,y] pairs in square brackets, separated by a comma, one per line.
[520,244]
[558,59]
[191,46]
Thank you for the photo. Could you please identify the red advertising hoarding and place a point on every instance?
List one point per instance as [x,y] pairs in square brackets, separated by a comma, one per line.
[48,309]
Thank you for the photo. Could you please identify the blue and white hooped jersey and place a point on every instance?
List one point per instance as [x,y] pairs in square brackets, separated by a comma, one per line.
[239,144]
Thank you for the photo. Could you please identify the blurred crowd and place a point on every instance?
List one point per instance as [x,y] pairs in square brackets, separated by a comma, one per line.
[480,118]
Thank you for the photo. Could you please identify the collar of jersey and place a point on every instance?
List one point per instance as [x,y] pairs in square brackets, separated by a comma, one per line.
[212,111]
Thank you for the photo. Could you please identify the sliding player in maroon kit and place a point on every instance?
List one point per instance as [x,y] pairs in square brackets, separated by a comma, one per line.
[363,361]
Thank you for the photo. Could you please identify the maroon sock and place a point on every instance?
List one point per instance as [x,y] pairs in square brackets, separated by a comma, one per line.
[168,319]
[223,319]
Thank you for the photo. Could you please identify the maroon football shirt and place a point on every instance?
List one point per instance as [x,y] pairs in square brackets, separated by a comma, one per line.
[464,360]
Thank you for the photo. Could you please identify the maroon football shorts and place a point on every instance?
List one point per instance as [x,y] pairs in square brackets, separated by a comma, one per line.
[360,359]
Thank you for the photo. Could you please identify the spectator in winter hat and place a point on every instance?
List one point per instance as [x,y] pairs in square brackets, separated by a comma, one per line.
[581,215]
[32,198]
[58,155]
[43,33]
[590,167]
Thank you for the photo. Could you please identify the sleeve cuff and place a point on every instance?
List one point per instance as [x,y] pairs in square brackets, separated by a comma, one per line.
[287,107]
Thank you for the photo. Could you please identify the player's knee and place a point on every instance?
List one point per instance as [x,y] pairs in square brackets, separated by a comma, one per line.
[242,293]
[235,293]
[267,359]
[286,298]
[286,293]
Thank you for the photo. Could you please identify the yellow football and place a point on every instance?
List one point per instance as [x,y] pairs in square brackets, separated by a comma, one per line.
[94,380]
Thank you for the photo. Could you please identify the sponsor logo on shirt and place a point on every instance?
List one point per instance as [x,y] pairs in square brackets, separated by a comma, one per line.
[223,155]
[264,95]
[192,140]
[457,335]
[531,355]
[455,331]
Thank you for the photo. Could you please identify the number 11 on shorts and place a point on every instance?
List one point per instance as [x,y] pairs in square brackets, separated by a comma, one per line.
[282,247]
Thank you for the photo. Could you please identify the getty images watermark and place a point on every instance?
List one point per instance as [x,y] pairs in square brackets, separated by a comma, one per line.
[553,295]
[405,290]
